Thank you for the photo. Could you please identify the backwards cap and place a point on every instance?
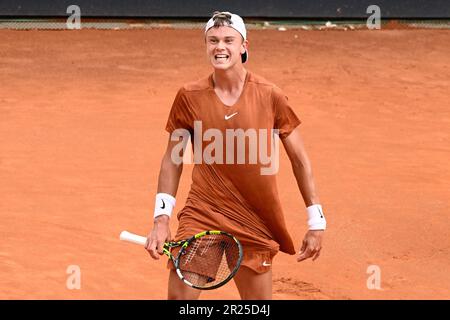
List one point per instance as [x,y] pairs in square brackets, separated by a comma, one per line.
[236,23]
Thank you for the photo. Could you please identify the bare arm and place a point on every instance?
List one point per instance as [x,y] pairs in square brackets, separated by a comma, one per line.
[169,173]
[301,166]
[168,181]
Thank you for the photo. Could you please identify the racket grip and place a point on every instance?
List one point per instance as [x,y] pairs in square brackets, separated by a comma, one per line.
[134,238]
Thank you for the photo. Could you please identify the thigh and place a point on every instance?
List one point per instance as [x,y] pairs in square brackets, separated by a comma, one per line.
[252,285]
[178,290]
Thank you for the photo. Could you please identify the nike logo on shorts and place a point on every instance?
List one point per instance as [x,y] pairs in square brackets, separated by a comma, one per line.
[230,116]
[265,264]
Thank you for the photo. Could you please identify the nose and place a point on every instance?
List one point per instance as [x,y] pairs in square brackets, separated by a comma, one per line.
[220,45]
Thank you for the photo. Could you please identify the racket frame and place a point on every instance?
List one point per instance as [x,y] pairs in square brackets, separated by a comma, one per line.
[185,243]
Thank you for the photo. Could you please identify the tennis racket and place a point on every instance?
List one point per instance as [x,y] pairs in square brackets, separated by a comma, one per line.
[206,261]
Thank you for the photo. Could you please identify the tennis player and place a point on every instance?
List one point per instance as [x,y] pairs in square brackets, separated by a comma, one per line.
[227,194]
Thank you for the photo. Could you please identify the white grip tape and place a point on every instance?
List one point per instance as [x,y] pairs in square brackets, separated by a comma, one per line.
[316,218]
[134,238]
[164,204]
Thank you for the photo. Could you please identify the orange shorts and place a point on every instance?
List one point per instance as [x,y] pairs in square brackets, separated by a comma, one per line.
[208,257]
[257,259]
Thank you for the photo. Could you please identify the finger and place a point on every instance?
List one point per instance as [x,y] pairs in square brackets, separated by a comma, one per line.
[304,244]
[152,250]
[308,253]
[304,255]
[312,252]
[316,255]
[160,247]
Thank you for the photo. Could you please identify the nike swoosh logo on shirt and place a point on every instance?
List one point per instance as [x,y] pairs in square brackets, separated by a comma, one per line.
[265,264]
[230,116]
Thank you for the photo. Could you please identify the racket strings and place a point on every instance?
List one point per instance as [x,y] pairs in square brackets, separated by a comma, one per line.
[210,260]
[192,252]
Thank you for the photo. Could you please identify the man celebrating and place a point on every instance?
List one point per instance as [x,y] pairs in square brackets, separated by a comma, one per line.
[230,194]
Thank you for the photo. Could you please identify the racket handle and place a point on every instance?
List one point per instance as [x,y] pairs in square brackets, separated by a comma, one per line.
[134,238]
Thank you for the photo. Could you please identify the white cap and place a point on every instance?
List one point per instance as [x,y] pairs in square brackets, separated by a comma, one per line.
[236,23]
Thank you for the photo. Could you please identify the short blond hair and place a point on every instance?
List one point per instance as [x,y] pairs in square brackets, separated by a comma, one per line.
[221,19]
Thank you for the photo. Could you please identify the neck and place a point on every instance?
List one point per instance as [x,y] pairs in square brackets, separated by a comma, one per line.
[230,79]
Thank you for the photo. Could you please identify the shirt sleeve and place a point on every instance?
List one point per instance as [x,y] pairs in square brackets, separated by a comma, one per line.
[285,118]
[180,116]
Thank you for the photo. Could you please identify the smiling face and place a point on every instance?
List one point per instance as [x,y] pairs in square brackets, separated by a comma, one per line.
[224,46]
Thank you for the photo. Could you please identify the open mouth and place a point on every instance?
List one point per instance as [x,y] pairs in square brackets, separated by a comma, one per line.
[221,57]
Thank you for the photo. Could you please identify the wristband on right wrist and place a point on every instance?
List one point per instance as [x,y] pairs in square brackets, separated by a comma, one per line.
[164,204]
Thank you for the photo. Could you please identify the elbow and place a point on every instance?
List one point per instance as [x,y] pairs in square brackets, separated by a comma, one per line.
[168,165]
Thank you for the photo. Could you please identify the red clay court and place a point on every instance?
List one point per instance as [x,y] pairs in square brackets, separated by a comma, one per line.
[82,117]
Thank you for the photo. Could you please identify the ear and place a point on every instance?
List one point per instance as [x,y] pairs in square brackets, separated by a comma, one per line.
[244,46]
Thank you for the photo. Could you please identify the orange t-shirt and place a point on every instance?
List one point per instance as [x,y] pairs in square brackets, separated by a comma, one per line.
[234,197]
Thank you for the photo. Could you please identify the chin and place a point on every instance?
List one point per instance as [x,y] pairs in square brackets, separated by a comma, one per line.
[221,66]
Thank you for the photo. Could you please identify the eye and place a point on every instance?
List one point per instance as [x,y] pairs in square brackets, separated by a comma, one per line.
[229,41]
[212,40]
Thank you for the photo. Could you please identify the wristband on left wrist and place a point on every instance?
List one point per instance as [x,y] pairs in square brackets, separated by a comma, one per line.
[316,218]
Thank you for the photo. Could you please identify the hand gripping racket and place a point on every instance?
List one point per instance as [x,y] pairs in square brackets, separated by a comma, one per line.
[205,261]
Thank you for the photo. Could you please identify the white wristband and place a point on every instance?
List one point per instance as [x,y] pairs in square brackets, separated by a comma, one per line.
[316,219]
[164,204]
